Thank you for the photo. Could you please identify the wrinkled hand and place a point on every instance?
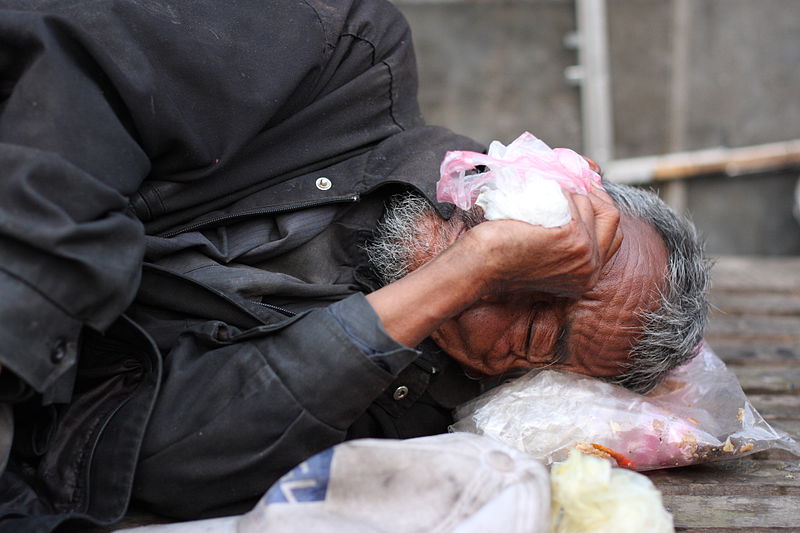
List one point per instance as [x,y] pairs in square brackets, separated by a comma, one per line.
[564,261]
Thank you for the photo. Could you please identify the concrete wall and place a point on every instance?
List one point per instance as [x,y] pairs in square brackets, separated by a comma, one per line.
[493,69]
[685,75]
[735,82]
[747,214]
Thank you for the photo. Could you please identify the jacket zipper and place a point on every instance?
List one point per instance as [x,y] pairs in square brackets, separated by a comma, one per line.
[350,198]
[282,310]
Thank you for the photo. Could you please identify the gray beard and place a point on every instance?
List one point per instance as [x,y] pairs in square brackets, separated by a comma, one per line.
[411,233]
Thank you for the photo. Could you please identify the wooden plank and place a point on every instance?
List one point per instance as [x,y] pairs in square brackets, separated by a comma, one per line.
[754,302]
[737,477]
[736,511]
[771,407]
[792,427]
[773,454]
[677,165]
[788,529]
[755,351]
[772,379]
[755,327]
[775,274]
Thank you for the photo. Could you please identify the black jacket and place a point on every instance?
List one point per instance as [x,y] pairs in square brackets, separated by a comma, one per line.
[122,118]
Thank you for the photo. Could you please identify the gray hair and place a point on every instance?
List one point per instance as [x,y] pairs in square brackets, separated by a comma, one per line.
[671,334]
[404,239]
[398,239]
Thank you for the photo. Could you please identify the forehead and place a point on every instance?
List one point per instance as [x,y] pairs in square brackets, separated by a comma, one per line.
[602,325]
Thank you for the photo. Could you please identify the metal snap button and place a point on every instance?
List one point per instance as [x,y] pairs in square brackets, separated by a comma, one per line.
[59,352]
[323,183]
[400,392]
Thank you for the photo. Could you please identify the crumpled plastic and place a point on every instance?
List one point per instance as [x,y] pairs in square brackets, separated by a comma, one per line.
[521,181]
[698,414]
[589,495]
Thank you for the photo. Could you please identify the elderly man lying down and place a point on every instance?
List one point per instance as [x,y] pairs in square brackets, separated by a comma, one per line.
[638,314]
[196,298]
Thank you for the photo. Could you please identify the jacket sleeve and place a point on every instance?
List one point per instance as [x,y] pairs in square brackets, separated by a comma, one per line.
[242,408]
[69,253]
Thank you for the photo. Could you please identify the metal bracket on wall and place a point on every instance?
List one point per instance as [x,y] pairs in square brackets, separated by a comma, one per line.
[591,75]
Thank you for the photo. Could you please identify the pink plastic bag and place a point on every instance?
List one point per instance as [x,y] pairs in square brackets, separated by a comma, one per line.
[524,159]
[698,414]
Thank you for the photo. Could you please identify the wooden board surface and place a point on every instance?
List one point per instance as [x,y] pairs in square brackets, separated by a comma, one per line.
[755,329]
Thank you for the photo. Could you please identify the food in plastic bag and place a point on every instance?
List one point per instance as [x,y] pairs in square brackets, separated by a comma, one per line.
[698,414]
[589,495]
[522,181]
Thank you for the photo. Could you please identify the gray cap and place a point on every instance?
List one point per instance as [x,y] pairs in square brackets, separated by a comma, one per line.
[460,483]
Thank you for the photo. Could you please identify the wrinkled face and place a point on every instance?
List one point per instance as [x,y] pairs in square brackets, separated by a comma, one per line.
[591,335]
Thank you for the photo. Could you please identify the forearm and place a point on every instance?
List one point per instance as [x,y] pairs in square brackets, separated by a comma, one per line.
[250,407]
[413,307]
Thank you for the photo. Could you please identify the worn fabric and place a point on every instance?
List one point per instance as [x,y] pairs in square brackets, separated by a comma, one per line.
[6,433]
[126,124]
[457,483]
[176,116]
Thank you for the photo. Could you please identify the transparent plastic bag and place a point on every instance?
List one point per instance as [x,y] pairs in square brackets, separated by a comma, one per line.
[521,181]
[698,414]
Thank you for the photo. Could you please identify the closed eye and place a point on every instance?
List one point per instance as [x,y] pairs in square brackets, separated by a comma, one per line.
[529,333]
[560,349]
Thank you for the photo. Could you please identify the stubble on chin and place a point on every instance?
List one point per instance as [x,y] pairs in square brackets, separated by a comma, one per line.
[412,234]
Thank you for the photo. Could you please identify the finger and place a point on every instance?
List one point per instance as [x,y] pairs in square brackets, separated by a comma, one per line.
[592,165]
[597,192]
[590,260]
[615,244]
[584,213]
[607,227]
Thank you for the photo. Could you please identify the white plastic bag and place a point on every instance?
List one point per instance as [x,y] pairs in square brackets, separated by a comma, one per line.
[588,495]
[698,414]
[521,181]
